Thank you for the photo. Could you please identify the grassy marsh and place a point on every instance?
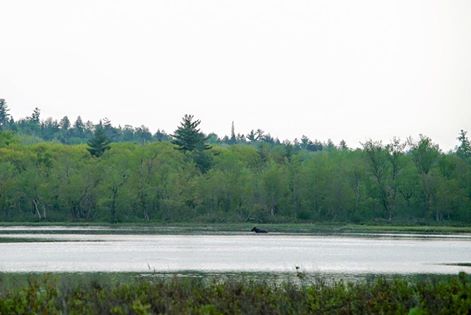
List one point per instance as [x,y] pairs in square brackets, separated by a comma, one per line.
[131,294]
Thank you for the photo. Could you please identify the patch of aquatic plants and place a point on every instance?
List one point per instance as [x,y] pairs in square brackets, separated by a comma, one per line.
[338,228]
[14,239]
[55,294]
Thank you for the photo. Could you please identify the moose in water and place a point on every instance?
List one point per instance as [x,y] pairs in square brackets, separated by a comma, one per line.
[257,230]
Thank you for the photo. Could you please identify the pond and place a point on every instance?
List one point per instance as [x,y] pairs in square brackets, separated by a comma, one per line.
[61,251]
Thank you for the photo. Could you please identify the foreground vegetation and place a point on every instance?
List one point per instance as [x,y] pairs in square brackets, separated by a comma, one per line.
[56,295]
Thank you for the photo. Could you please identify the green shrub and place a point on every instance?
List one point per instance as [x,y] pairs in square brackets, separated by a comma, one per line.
[45,294]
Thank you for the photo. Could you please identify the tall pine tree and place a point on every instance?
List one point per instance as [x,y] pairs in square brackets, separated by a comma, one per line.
[3,114]
[464,149]
[100,143]
[191,140]
[188,136]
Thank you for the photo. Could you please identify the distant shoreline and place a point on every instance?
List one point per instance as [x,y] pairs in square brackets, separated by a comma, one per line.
[316,228]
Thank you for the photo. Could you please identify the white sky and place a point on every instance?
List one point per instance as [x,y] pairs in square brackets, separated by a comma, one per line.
[338,69]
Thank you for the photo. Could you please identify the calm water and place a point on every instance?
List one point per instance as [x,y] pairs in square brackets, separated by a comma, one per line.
[350,254]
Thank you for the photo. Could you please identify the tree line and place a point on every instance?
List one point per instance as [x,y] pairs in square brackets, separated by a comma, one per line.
[33,129]
[188,179]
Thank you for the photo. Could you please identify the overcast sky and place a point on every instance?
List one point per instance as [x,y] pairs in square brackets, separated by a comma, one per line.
[338,69]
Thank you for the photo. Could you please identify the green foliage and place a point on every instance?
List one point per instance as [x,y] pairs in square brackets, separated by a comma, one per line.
[464,148]
[188,136]
[253,178]
[424,154]
[99,144]
[241,183]
[189,139]
[104,295]
[3,114]
[7,138]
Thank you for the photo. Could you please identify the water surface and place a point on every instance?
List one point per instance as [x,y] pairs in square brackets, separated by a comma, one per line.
[243,252]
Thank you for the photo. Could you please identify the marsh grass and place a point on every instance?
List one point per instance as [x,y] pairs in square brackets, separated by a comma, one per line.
[461,264]
[19,239]
[131,294]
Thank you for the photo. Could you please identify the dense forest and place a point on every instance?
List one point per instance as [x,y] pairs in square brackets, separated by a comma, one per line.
[62,171]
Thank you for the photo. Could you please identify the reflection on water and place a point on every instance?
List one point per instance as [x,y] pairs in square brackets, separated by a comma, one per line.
[346,254]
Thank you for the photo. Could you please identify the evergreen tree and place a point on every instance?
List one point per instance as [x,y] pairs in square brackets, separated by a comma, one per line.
[260,135]
[343,145]
[252,136]
[3,114]
[65,131]
[233,138]
[268,139]
[100,143]
[240,138]
[79,124]
[49,129]
[305,142]
[78,130]
[464,149]
[188,137]
[330,145]
[160,135]
[65,123]
[35,116]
